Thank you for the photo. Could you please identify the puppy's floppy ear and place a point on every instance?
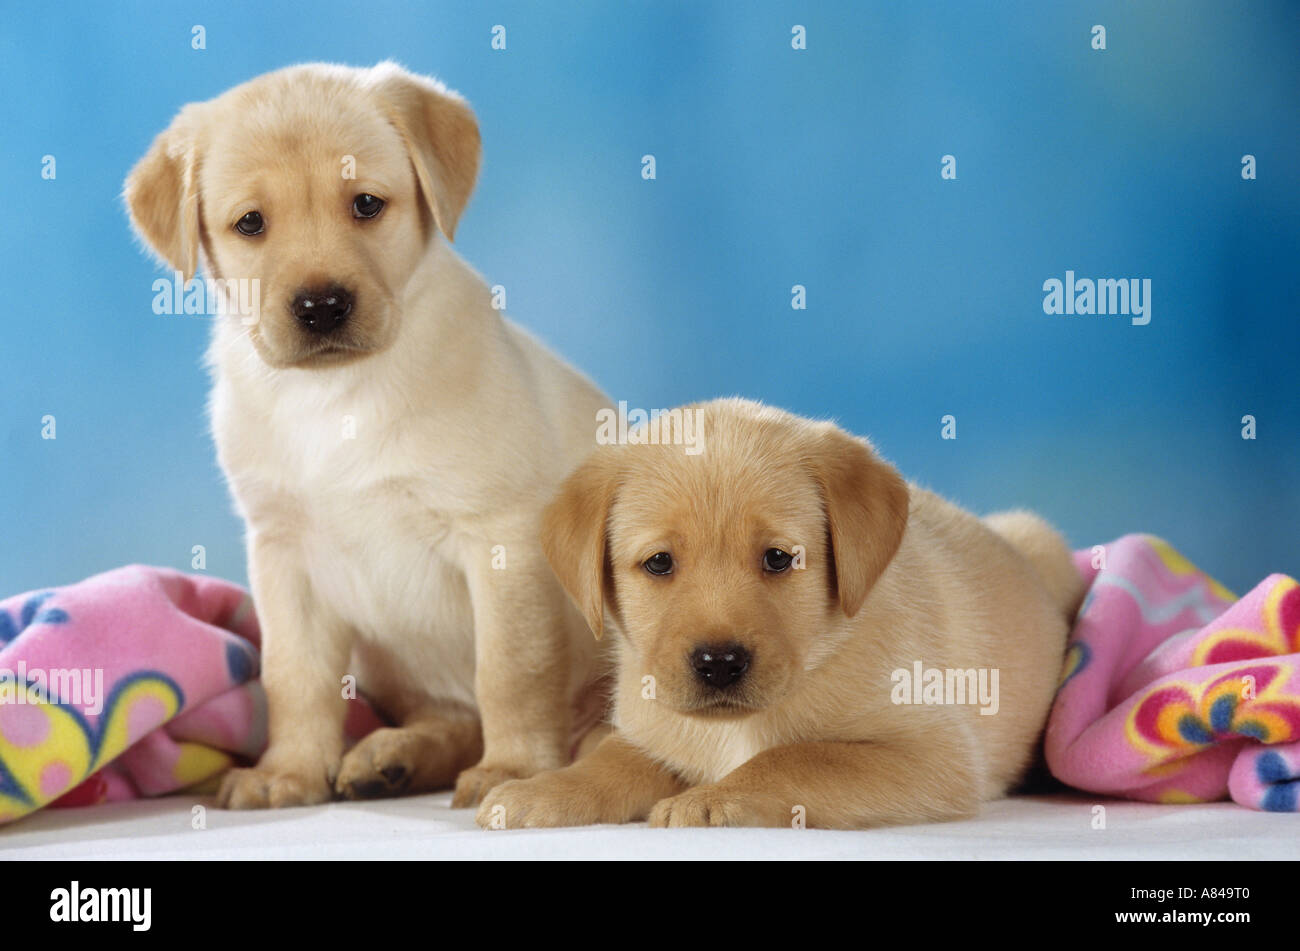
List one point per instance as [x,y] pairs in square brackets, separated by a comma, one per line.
[441,135]
[162,194]
[866,511]
[574,535]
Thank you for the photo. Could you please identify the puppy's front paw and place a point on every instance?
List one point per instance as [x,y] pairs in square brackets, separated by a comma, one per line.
[717,806]
[545,801]
[477,781]
[269,788]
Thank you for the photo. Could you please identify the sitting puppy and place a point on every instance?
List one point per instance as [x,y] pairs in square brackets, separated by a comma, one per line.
[390,438]
[770,595]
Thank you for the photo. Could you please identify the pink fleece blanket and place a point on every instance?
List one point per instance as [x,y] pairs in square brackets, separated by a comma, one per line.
[1176,691]
[136,682]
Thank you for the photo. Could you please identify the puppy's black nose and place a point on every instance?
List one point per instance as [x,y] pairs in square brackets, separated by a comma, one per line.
[720,666]
[324,309]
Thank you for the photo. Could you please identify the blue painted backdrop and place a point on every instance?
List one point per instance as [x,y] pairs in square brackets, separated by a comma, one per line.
[775,167]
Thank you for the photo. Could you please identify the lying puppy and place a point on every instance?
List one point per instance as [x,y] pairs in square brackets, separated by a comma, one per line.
[391,440]
[769,592]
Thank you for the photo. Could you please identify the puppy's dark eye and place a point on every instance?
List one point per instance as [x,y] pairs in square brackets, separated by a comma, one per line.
[660,563]
[774,559]
[366,206]
[250,224]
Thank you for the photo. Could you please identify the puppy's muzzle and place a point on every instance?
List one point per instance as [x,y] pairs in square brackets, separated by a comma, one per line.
[720,666]
[322,310]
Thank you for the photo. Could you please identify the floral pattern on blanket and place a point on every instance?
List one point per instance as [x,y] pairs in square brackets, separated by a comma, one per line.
[1176,691]
[138,681]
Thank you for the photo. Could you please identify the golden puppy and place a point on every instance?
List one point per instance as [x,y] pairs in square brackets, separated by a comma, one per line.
[774,596]
[390,438]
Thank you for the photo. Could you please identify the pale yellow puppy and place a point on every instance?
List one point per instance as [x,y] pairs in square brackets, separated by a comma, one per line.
[764,596]
[391,439]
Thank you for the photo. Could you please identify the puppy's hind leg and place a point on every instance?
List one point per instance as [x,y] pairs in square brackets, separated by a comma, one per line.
[433,744]
[1046,551]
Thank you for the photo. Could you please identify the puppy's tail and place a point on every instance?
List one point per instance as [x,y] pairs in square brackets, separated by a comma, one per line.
[1046,551]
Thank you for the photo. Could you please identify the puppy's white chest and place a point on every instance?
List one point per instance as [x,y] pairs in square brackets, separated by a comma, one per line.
[700,751]
[376,557]
[351,499]
[735,747]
